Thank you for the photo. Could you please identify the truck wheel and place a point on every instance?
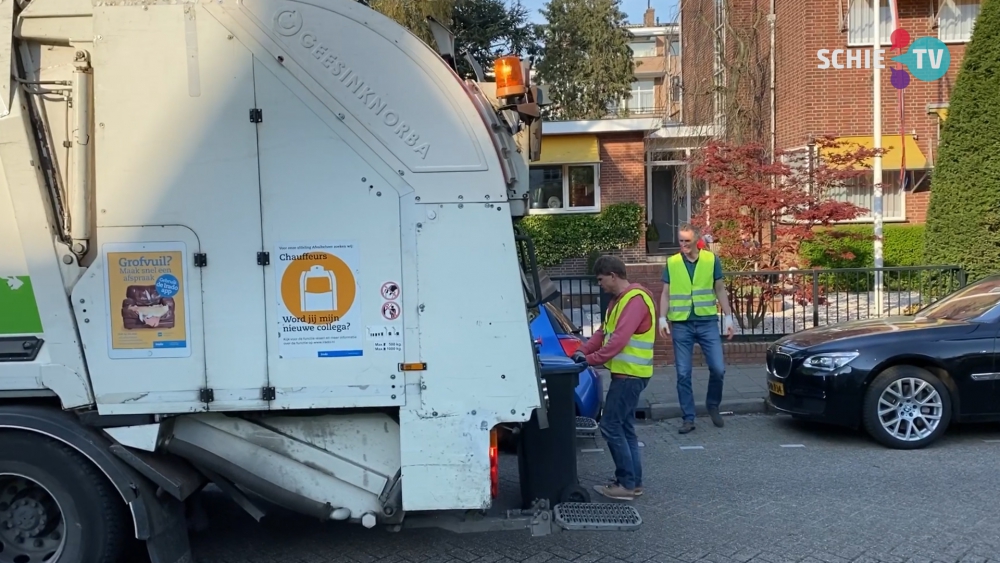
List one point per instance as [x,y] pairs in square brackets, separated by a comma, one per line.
[906,408]
[55,506]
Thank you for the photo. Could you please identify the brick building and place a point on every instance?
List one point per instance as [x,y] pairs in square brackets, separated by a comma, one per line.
[809,101]
[725,57]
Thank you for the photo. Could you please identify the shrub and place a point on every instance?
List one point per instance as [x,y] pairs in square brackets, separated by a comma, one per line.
[850,246]
[963,217]
[563,236]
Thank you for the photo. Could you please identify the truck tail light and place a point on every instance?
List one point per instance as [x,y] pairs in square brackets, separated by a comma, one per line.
[494,465]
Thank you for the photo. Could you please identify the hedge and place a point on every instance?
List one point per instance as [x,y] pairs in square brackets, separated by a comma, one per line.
[963,216]
[850,246]
[903,245]
[577,235]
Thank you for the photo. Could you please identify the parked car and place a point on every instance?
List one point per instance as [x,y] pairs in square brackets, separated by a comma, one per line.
[905,378]
[556,334]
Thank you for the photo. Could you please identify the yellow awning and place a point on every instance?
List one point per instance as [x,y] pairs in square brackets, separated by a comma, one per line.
[569,149]
[892,145]
[942,113]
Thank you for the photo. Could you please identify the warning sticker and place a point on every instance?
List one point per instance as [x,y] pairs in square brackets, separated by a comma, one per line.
[390,310]
[319,315]
[390,291]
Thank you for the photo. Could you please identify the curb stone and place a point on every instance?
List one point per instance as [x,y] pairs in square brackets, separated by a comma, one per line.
[664,411]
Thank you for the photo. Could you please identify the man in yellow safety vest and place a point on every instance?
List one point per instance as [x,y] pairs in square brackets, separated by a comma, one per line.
[692,282]
[624,345]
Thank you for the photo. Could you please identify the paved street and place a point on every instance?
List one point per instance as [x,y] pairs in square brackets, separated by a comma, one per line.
[764,489]
[744,391]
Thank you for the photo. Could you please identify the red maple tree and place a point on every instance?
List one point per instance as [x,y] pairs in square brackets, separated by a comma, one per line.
[758,212]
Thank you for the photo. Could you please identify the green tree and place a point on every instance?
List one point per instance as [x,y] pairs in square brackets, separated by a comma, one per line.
[586,60]
[412,14]
[963,217]
[488,29]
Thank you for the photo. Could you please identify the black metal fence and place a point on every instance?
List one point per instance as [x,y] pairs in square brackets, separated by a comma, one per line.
[771,304]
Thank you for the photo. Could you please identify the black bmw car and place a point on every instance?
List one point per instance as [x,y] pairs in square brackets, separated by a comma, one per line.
[904,379]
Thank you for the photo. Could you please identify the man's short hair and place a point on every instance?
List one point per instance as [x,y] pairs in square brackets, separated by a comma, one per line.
[688,227]
[607,265]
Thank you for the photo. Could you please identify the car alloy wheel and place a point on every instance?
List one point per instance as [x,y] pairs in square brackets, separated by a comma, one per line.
[906,407]
[910,409]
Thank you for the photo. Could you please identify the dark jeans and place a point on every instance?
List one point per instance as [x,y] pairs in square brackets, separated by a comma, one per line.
[706,334]
[618,428]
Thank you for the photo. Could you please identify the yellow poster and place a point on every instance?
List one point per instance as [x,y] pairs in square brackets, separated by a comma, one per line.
[147,301]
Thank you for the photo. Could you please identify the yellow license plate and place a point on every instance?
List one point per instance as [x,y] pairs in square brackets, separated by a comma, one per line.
[776,388]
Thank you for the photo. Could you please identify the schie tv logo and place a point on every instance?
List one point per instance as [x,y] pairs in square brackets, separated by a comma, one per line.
[927,59]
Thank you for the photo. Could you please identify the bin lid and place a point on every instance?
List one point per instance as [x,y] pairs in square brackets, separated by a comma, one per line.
[554,364]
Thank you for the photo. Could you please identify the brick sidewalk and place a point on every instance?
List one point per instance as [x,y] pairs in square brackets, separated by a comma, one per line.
[744,391]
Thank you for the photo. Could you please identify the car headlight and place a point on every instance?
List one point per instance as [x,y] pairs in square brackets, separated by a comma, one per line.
[830,361]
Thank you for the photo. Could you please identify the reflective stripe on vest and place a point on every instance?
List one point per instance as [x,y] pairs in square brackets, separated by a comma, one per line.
[685,292]
[636,358]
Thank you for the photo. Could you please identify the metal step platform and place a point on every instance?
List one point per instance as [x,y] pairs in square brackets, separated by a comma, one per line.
[586,427]
[602,516]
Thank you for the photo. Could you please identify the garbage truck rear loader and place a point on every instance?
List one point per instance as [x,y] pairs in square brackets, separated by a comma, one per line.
[267,244]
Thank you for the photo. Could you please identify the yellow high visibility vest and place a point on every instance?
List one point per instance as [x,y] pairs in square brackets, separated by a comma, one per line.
[636,358]
[684,291]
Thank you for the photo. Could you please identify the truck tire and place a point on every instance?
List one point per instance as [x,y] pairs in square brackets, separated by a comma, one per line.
[55,505]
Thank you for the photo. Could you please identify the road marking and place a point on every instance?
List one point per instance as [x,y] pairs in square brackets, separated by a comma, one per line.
[793,445]
[992,441]
[592,450]
[692,447]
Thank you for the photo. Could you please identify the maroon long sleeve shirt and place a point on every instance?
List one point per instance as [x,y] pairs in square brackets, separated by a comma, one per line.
[634,319]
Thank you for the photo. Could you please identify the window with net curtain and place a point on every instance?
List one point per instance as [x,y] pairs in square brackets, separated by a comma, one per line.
[955,21]
[569,187]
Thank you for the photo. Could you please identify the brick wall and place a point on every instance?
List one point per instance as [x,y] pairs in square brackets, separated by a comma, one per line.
[697,17]
[813,101]
[735,353]
[810,101]
[623,179]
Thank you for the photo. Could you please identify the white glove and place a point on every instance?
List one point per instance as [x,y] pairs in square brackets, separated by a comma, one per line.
[664,325]
[728,324]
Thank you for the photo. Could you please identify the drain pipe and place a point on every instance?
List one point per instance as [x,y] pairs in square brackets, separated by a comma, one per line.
[771,17]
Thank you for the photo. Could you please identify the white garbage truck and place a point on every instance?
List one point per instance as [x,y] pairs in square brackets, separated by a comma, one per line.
[268,245]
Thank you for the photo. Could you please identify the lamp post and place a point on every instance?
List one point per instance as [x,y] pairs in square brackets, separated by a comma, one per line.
[877,168]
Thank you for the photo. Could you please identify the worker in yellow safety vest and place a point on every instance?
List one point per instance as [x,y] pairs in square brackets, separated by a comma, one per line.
[624,345]
[692,285]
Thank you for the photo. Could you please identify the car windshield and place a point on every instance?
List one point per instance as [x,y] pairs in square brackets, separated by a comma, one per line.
[966,304]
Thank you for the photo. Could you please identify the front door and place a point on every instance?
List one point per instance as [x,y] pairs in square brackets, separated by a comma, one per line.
[669,204]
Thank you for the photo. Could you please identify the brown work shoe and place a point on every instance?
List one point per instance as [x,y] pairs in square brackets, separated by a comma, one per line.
[637,491]
[616,492]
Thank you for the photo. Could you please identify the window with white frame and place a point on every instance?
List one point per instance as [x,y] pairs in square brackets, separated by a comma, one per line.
[860,30]
[860,192]
[643,98]
[675,48]
[956,18]
[564,188]
[643,48]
